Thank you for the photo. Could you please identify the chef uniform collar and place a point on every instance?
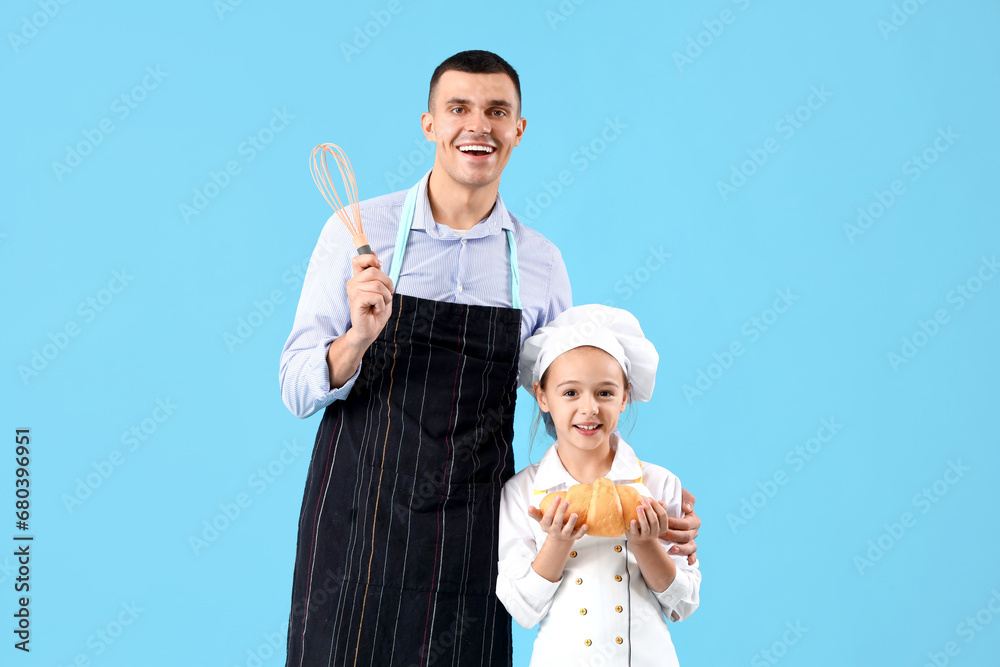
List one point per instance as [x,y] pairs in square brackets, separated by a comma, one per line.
[625,468]
[496,222]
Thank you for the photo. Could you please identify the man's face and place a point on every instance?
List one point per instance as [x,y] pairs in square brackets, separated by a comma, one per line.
[475,124]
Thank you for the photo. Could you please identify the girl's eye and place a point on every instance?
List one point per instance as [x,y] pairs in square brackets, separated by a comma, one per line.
[569,392]
[606,393]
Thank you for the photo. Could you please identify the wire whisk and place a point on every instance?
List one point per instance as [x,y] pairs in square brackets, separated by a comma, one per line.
[350,215]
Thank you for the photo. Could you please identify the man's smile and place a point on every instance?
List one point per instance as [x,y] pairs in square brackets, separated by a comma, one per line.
[477,150]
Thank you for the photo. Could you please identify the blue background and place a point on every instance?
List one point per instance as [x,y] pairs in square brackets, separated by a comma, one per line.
[693,93]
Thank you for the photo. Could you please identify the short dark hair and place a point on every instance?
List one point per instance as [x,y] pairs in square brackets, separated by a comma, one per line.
[475,62]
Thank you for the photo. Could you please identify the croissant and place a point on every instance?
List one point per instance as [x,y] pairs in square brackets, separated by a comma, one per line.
[606,508]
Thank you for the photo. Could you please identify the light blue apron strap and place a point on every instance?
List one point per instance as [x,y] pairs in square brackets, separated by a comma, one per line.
[515,277]
[405,222]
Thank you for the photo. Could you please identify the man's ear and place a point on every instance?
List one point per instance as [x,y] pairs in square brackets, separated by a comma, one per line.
[521,124]
[427,125]
[540,397]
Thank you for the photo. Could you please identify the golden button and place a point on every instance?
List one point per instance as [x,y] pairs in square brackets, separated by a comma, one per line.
[572,554]
[579,581]
[618,577]
[583,612]
[587,642]
[618,640]
[618,609]
[618,547]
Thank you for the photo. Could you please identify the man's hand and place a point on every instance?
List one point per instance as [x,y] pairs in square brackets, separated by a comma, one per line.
[683,531]
[369,292]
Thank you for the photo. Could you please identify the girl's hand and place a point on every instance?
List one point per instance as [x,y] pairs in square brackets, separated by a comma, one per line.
[651,522]
[556,525]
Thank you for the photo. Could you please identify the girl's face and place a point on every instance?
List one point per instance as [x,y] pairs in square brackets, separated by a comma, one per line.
[584,394]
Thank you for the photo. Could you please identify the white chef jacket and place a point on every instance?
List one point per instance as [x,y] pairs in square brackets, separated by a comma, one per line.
[601,611]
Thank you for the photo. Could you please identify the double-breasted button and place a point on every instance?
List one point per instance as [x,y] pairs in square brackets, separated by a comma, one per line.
[583,612]
[618,609]
[618,640]
[618,577]
[618,547]
[587,642]
[579,581]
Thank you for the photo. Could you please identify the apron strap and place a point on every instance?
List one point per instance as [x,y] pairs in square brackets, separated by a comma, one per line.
[405,222]
[515,277]
[403,233]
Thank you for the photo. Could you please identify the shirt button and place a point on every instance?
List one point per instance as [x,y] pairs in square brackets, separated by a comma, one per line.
[572,554]
[579,581]
[617,546]
[464,241]
[460,291]
[618,640]
[618,609]
[583,612]
[618,577]
[587,642]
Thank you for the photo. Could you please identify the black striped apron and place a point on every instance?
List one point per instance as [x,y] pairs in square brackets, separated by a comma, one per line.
[396,559]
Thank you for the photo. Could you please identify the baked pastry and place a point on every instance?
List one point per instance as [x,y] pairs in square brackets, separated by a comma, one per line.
[606,508]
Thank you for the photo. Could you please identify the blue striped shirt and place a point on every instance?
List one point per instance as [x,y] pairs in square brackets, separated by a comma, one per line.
[473,268]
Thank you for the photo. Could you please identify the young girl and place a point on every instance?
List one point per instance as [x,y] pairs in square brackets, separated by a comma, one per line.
[600,600]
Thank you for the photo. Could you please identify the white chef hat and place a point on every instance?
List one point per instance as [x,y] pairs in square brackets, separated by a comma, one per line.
[613,330]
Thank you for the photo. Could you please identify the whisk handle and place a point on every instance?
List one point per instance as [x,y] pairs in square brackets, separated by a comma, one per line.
[361,243]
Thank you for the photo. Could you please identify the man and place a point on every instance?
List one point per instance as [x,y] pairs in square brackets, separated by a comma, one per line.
[397,549]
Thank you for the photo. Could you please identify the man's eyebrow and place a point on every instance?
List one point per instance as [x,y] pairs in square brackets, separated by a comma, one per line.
[492,103]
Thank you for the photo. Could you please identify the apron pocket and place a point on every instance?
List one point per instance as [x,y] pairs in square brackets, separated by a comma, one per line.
[433,536]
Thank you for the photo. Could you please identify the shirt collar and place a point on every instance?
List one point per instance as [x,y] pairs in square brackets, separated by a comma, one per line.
[423,219]
[625,468]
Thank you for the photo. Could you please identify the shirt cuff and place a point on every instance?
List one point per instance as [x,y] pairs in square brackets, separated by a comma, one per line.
[679,589]
[319,377]
[537,587]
